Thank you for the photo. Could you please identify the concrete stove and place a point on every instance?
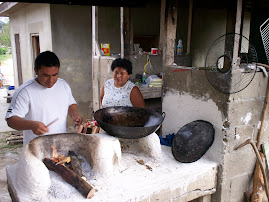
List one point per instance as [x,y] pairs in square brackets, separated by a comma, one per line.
[112,168]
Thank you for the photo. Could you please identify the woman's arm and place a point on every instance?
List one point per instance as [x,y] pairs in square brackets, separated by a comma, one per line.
[102,93]
[137,98]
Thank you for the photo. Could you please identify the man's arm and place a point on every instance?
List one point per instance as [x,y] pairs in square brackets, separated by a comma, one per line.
[19,123]
[73,113]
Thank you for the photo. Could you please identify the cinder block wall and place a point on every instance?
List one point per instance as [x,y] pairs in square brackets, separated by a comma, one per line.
[188,96]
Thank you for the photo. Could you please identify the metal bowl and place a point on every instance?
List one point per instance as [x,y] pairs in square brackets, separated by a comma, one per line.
[128,122]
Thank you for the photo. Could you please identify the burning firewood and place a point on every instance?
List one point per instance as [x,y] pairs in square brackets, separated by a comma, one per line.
[56,157]
[70,177]
[65,160]
[75,164]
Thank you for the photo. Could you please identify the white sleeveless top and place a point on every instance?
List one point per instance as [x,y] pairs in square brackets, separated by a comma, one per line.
[114,96]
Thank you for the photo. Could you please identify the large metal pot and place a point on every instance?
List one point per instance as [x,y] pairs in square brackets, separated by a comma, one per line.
[128,122]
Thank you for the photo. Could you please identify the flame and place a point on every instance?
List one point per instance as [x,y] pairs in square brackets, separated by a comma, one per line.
[54,152]
[60,159]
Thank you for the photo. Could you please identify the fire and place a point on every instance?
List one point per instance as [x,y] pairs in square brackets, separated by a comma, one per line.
[60,159]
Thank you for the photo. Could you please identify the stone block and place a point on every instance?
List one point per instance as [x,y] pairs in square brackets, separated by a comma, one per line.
[262,84]
[245,112]
[239,185]
[239,162]
[238,135]
[251,91]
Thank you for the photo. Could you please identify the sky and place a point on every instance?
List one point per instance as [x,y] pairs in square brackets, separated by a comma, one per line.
[4,19]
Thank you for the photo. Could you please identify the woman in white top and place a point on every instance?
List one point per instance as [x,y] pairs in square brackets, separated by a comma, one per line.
[119,91]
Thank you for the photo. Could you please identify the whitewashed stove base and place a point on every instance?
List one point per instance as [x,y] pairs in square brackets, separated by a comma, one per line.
[169,180]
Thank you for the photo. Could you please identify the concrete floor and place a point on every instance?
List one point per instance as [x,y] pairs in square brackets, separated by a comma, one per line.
[7,70]
[8,155]
[3,110]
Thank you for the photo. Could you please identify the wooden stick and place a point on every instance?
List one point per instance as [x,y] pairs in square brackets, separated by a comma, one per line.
[249,141]
[71,177]
[53,122]
[258,182]
[263,116]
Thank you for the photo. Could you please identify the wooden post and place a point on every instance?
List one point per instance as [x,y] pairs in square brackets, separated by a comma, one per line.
[162,28]
[127,32]
[189,27]
[170,29]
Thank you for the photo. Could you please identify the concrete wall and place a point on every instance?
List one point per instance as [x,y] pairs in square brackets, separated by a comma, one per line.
[208,25]
[33,19]
[188,96]
[71,39]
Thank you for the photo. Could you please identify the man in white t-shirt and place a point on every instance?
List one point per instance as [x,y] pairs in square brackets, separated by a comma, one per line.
[42,100]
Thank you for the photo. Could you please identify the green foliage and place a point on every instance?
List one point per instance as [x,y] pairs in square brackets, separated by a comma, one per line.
[4,57]
[3,51]
[5,35]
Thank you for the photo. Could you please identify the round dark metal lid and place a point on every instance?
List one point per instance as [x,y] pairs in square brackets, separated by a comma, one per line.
[192,141]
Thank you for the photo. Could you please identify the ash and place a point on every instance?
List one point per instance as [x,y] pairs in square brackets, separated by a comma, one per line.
[60,189]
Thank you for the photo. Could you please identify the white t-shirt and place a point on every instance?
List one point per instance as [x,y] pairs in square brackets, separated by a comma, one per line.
[114,96]
[33,101]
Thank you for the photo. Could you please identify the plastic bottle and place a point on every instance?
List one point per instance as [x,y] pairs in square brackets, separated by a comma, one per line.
[179,47]
[144,77]
[92,123]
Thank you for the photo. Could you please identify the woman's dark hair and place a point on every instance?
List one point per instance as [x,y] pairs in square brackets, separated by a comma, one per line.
[123,63]
[48,59]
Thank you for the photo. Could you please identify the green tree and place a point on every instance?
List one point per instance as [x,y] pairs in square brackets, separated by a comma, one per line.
[5,35]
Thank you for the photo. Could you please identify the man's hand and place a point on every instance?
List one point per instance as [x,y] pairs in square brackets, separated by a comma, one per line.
[39,128]
[72,111]
[19,123]
[77,119]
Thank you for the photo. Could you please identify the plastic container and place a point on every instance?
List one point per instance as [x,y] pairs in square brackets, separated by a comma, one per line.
[154,51]
[179,47]
[11,87]
[105,47]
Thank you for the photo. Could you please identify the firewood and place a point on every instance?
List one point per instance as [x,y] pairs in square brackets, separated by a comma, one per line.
[75,164]
[15,142]
[84,128]
[14,138]
[80,128]
[71,177]
[94,129]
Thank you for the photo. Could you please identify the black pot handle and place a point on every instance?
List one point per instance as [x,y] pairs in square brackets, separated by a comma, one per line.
[163,115]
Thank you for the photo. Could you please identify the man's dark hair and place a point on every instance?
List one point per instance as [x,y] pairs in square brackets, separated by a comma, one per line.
[123,63]
[48,59]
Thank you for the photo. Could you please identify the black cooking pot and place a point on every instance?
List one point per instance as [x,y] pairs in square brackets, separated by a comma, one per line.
[128,122]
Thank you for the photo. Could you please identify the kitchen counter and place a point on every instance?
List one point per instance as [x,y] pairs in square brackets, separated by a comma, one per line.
[150,92]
